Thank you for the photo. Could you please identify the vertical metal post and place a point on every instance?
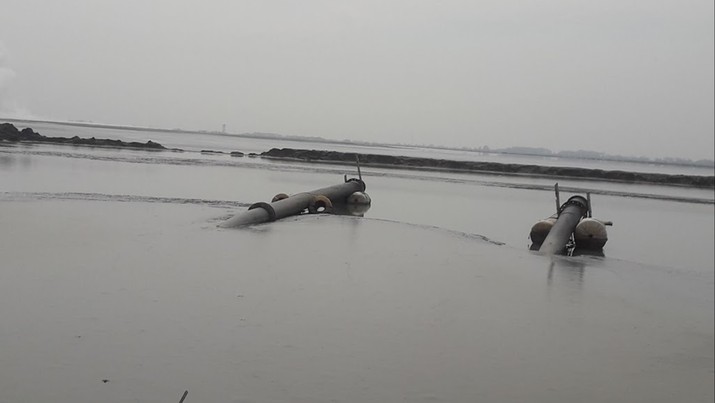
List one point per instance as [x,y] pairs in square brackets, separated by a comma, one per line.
[357,161]
[558,198]
[588,198]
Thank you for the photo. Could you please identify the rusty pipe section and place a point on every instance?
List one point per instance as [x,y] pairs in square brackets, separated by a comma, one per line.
[293,205]
[569,216]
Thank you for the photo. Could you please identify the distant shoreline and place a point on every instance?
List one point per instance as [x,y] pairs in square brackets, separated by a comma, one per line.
[273,136]
[380,160]
[10,133]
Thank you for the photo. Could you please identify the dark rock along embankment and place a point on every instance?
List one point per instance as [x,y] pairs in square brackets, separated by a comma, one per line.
[494,167]
[8,132]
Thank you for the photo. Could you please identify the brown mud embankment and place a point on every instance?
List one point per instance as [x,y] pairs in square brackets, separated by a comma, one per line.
[8,132]
[491,167]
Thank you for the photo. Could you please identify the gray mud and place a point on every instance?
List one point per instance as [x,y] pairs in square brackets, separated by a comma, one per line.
[116,285]
[154,300]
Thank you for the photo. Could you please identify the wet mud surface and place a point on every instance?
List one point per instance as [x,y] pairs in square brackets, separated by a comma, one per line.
[142,301]
[116,284]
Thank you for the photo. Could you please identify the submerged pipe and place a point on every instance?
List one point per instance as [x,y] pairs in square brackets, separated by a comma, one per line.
[293,205]
[570,214]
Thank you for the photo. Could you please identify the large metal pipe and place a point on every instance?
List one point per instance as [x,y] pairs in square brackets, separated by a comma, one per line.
[570,214]
[293,205]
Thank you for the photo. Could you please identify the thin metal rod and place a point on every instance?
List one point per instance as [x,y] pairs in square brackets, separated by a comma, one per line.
[357,161]
[588,198]
[558,198]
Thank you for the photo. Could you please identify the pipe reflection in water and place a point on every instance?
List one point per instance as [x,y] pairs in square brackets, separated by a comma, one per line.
[357,210]
[587,252]
[566,270]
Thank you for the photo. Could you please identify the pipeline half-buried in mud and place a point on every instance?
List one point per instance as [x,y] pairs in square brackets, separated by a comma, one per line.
[346,198]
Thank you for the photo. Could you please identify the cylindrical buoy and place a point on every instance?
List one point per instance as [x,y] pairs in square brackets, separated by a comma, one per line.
[590,234]
[359,198]
[541,229]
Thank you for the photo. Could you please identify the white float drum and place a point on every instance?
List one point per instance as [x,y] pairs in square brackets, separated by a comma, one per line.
[590,234]
[359,198]
[541,229]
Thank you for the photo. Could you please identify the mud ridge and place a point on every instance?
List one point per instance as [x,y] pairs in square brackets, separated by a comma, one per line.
[121,198]
[490,167]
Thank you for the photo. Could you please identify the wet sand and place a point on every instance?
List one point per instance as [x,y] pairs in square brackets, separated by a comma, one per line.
[154,299]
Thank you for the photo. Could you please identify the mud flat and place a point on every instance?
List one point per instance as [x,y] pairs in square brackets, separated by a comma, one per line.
[157,300]
[490,167]
[117,286]
[8,132]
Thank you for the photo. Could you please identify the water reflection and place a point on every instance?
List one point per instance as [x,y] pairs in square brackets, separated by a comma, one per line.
[9,161]
[588,252]
[6,161]
[356,210]
[563,269]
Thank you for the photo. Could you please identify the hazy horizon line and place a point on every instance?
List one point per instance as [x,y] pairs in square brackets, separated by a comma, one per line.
[483,148]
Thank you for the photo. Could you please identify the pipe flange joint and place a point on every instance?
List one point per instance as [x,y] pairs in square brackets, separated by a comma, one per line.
[575,201]
[362,184]
[267,207]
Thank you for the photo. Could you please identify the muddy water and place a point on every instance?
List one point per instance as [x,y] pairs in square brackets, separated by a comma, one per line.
[112,269]
[649,226]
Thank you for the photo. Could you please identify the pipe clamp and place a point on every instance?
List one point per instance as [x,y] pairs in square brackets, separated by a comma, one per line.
[267,207]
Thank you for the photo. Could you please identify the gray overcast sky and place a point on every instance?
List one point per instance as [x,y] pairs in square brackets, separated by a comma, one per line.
[620,76]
